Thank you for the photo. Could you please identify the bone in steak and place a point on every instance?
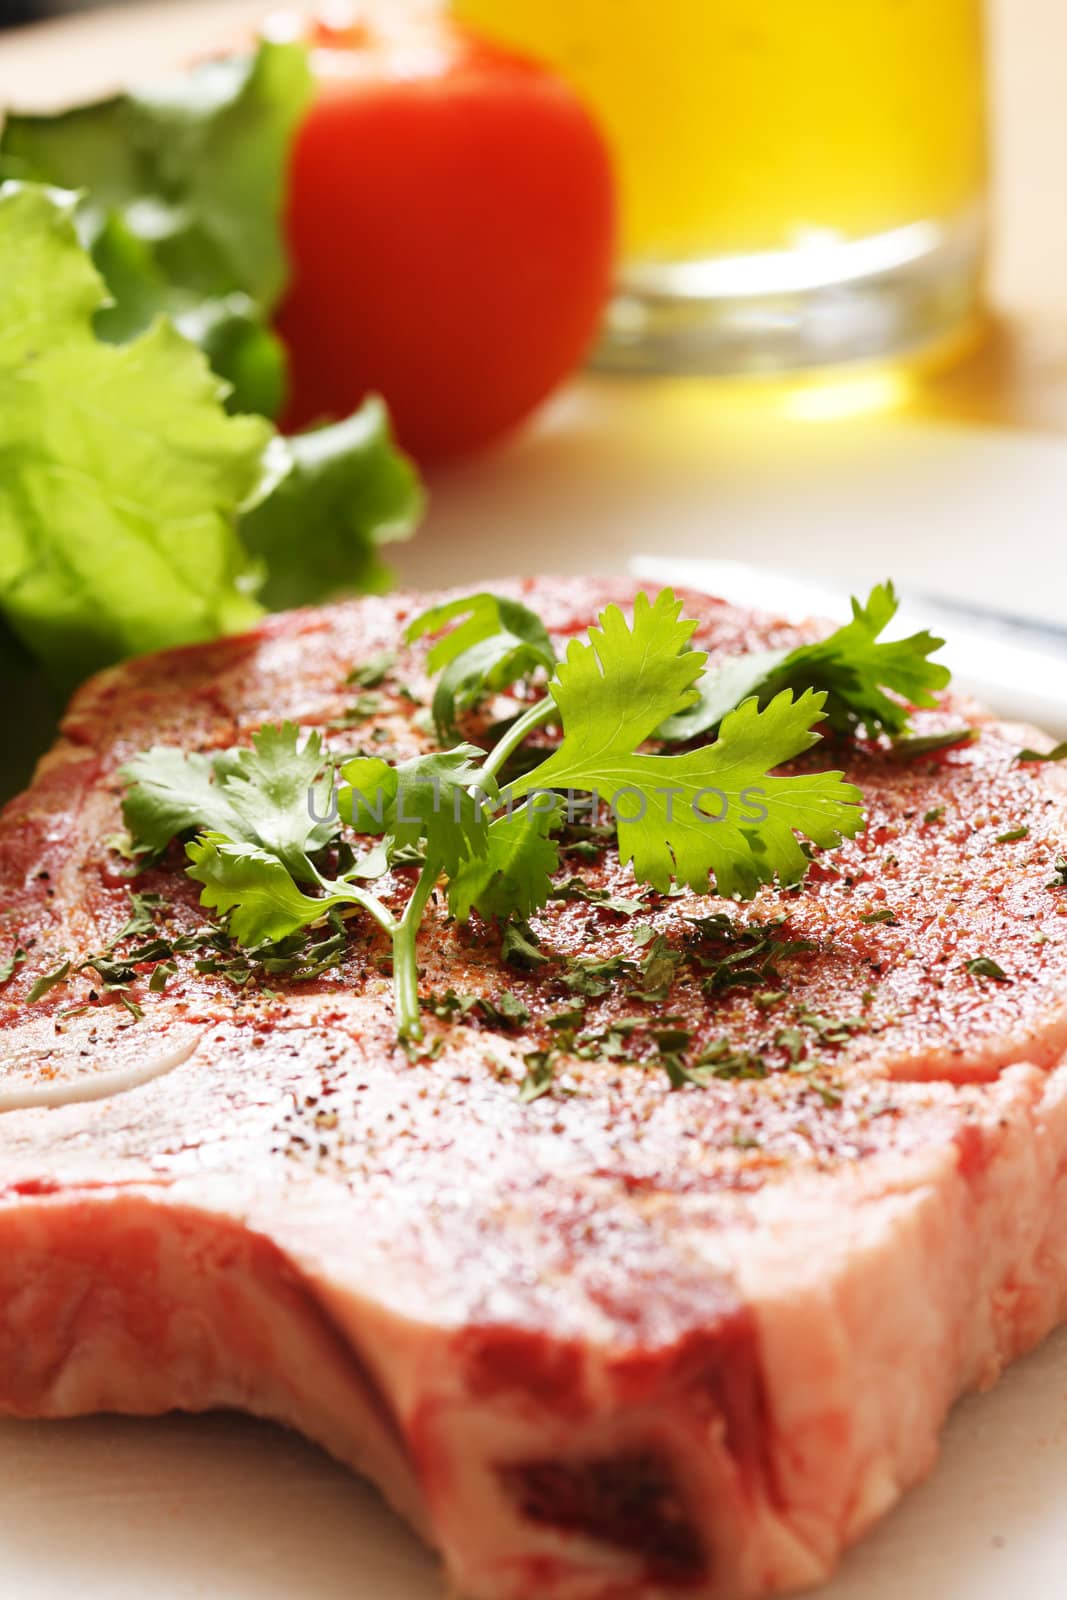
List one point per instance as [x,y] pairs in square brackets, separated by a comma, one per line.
[620,1343]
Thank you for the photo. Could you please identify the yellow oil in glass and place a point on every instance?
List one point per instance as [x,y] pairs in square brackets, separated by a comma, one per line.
[758,128]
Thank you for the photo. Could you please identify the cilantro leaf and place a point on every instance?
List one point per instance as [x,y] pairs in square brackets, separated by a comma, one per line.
[435,797]
[515,874]
[181,211]
[268,787]
[170,792]
[256,796]
[122,474]
[348,490]
[498,643]
[253,888]
[715,811]
[854,666]
[615,691]
[724,685]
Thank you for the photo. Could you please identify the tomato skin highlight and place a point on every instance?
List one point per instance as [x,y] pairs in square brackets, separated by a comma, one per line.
[451,227]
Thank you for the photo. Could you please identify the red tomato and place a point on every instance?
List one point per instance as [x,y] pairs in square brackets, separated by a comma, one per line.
[451,229]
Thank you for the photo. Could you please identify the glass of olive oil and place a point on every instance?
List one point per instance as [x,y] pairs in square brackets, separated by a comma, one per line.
[802,181]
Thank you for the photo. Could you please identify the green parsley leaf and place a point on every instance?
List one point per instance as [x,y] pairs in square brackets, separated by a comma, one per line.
[854,666]
[361,710]
[122,474]
[451,1005]
[578,889]
[510,1009]
[341,492]
[615,690]
[566,1021]
[506,1012]
[832,1030]
[586,840]
[721,1060]
[371,674]
[15,959]
[1013,834]
[520,946]
[791,1040]
[170,792]
[268,789]
[658,971]
[540,1074]
[498,643]
[1057,753]
[671,1040]
[514,876]
[595,978]
[142,918]
[986,967]
[49,981]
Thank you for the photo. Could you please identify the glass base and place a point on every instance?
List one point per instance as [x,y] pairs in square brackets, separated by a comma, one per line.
[827,302]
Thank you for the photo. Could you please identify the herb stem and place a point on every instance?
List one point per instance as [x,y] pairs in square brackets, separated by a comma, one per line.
[345,890]
[535,717]
[405,964]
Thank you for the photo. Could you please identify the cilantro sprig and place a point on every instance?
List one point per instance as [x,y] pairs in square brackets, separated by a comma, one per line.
[869,682]
[267,848]
[497,643]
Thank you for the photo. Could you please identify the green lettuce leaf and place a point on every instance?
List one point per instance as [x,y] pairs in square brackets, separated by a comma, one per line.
[183,187]
[120,473]
[127,493]
[344,490]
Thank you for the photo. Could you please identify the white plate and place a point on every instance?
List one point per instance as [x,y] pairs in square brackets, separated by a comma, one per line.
[204,1508]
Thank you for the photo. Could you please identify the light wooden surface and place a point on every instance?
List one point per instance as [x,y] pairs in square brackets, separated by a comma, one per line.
[1015,373]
